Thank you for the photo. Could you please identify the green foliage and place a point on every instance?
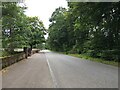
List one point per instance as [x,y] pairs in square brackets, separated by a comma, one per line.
[57,31]
[87,28]
[18,29]
[86,57]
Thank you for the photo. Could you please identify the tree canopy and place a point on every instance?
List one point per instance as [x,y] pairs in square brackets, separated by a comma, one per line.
[87,28]
[20,30]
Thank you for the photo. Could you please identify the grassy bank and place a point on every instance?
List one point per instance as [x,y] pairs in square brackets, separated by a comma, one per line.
[95,59]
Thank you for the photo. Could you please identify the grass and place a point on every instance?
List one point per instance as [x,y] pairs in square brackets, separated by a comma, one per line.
[95,59]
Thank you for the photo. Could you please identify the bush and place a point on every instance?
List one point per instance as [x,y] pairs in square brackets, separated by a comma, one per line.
[93,53]
[111,55]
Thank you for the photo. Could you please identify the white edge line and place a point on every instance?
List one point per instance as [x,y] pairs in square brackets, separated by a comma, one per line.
[52,75]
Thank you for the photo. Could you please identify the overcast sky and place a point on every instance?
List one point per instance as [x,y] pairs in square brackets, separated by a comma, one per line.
[43,8]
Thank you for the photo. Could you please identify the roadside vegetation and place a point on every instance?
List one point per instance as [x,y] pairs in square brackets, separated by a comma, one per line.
[87,30]
[114,63]
[19,30]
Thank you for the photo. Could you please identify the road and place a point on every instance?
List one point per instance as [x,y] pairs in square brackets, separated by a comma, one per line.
[52,70]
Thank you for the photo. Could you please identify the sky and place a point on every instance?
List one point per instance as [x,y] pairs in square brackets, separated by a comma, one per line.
[43,9]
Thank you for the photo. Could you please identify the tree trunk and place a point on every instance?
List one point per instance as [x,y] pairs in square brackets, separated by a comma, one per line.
[30,50]
[26,52]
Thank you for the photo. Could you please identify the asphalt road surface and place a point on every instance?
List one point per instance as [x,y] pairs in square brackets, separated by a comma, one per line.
[52,70]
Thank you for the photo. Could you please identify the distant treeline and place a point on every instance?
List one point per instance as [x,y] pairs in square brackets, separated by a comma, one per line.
[86,28]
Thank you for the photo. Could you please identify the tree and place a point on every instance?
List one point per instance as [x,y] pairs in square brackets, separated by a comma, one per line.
[91,28]
[57,31]
[11,14]
[20,30]
[36,32]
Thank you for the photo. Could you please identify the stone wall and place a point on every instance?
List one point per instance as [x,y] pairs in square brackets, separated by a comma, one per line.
[7,61]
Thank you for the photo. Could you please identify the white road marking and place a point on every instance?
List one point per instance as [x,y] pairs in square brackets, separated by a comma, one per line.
[52,74]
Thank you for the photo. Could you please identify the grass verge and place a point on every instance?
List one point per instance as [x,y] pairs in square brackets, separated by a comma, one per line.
[95,59]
